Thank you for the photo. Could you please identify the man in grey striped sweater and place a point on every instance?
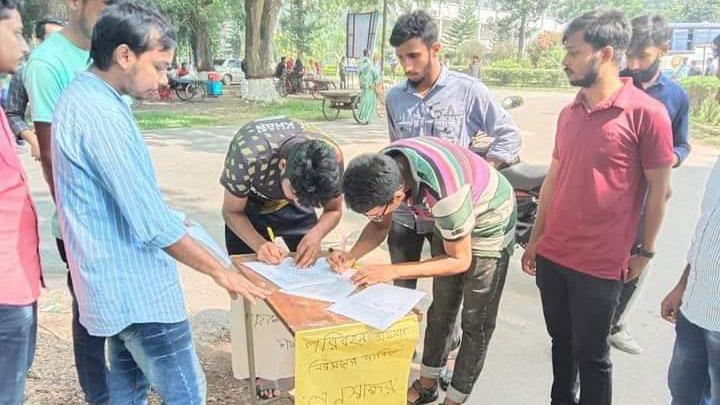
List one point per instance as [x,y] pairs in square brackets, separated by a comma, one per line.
[694,306]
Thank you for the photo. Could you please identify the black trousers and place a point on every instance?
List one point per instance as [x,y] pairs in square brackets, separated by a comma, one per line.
[406,245]
[578,311]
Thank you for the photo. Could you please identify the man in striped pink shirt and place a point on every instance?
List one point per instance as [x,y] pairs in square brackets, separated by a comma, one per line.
[19,258]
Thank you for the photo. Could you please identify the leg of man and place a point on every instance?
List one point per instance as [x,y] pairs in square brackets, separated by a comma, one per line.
[89,351]
[447,298]
[688,374]
[482,288]
[405,245]
[712,342]
[18,331]
[166,358]
[553,286]
[592,305]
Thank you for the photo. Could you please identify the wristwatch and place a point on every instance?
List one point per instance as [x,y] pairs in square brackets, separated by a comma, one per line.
[639,250]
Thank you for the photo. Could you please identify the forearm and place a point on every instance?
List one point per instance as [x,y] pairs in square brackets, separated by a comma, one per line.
[240,224]
[17,124]
[654,213]
[28,135]
[438,266]
[327,222]
[682,283]
[190,253]
[371,237]
[44,135]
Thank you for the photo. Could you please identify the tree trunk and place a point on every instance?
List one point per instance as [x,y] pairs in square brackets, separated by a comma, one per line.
[261,17]
[521,36]
[202,43]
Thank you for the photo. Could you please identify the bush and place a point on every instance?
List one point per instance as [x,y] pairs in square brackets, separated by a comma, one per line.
[524,77]
[700,89]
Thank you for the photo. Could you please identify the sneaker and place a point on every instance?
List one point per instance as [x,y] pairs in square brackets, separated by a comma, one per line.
[622,340]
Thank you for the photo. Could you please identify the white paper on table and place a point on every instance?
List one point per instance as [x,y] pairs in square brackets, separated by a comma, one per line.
[379,306]
[288,277]
[332,292]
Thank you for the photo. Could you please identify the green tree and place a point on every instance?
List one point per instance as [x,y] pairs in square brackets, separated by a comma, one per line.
[198,23]
[690,10]
[569,9]
[522,13]
[464,27]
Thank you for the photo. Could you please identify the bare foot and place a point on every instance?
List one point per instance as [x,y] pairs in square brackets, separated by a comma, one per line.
[266,389]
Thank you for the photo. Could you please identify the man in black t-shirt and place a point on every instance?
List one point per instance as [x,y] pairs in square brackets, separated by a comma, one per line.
[277,171]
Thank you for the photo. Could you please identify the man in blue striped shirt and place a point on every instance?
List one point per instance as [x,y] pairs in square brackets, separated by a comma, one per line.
[694,306]
[121,236]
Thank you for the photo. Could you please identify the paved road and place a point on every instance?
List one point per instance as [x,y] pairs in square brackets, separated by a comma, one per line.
[517,371]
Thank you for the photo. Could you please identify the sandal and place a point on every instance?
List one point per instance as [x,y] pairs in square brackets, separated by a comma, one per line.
[425,395]
[262,386]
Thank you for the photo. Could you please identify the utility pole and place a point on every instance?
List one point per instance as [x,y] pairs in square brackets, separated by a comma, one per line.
[382,41]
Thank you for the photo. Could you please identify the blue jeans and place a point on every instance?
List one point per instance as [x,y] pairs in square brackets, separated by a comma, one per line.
[18,332]
[89,351]
[694,376]
[160,355]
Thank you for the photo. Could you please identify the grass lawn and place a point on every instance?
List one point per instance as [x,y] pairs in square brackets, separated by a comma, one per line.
[704,133]
[227,112]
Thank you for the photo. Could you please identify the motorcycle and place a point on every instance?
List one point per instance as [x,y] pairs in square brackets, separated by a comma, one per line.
[526,181]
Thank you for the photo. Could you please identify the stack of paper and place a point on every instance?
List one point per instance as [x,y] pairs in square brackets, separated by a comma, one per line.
[379,306]
[317,282]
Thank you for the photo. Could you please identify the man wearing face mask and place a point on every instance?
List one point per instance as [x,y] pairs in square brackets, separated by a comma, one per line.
[649,43]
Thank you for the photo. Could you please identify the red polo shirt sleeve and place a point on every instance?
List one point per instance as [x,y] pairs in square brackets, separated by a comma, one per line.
[656,139]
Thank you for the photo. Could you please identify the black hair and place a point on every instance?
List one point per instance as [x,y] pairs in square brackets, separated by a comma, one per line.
[370,181]
[649,30]
[133,23]
[40,26]
[314,172]
[603,27]
[416,24]
[7,5]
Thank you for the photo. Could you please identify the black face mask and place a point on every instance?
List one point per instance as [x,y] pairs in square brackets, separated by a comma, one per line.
[642,76]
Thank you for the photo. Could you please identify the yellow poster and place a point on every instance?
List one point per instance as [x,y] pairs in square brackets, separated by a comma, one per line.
[354,364]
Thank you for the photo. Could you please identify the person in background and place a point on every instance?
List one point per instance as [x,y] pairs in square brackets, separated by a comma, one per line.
[613,147]
[122,237]
[710,67]
[446,60]
[369,78]
[280,68]
[474,67]
[649,42]
[183,71]
[17,101]
[683,70]
[342,73]
[49,70]
[694,69]
[20,272]
[298,73]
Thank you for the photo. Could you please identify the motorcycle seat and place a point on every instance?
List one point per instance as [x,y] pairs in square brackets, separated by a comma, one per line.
[525,176]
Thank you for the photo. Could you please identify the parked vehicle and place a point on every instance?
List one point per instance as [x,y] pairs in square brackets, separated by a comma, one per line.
[231,71]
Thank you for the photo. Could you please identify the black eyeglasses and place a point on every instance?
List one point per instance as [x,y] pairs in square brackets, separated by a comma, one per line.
[378,218]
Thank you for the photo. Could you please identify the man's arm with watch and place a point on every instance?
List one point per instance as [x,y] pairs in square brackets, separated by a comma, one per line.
[658,194]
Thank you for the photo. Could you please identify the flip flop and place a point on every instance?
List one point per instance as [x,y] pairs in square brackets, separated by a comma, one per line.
[425,395]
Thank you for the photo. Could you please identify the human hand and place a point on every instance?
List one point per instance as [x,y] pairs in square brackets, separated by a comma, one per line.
[374,274]
[271,253]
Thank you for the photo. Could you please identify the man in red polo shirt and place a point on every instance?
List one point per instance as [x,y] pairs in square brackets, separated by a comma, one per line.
[613,143]
[19,258]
